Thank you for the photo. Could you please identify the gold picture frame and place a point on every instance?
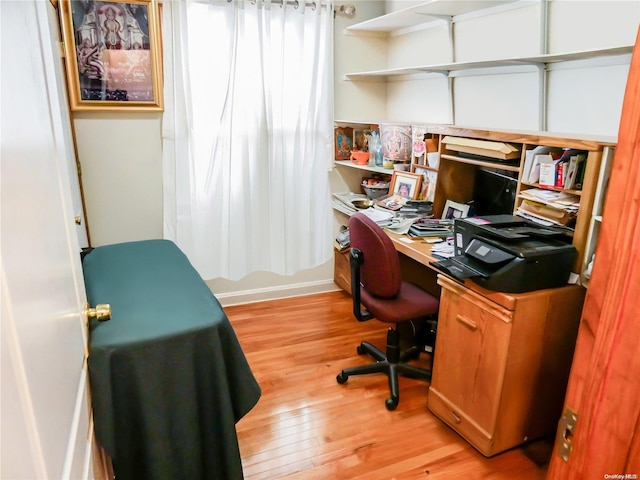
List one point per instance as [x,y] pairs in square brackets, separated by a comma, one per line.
[113,54]
[405,184]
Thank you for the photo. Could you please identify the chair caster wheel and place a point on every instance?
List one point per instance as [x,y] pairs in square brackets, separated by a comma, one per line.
[360,350]
[391,403]
[341,378]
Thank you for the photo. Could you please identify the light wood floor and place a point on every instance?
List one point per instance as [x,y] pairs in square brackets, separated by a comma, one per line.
[307,426]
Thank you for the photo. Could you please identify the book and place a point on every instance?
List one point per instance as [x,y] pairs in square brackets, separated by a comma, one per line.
[529,157]
[572,168]
[546,170]
[562,167]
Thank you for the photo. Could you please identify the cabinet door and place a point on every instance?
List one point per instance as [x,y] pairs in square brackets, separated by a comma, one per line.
[470,360]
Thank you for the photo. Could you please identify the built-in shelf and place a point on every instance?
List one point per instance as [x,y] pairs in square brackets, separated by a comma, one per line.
[421,14]
[368,168]
[482,163]
[445,68]
[556,189]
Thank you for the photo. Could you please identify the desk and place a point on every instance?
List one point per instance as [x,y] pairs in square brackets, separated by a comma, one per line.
[168,377]
[502,360]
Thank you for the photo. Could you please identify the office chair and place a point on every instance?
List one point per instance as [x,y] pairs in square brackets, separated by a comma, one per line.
[379,292]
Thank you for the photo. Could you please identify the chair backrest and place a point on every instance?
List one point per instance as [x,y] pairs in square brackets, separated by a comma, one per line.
[380,271]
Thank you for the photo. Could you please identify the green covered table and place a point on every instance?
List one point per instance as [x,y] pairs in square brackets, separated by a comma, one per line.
[168,378]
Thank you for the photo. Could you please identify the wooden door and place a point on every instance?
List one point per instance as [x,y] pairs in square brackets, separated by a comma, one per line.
[604,386]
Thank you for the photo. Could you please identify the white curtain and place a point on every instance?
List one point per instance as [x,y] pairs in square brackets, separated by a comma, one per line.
[247,134]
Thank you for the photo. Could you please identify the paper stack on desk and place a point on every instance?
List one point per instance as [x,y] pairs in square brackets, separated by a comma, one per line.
[431,227]
[443,249]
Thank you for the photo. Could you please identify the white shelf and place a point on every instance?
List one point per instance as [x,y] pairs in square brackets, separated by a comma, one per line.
[506,62]
[368,168]
[424,13]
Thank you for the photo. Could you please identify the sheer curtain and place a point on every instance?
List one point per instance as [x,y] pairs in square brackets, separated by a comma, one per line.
[247,134]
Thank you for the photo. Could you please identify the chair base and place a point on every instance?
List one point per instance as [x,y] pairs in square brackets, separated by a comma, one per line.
[392,364]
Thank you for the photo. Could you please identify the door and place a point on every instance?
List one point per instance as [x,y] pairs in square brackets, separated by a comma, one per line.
[64,131]
[604,386]
[44,409]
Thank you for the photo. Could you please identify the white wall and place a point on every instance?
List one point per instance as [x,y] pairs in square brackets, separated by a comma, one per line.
[582,97]
[120,154]
[121,159]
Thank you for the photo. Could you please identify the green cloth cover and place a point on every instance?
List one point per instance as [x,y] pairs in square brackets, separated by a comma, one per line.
[168,377]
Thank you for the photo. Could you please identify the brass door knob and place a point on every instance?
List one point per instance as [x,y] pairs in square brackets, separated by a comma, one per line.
[102,312]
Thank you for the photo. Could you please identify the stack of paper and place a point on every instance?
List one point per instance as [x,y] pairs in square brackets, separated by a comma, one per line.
[555,199]
[548,207]
[443,249]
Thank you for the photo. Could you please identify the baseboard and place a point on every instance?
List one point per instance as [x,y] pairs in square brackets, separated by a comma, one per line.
[274,293]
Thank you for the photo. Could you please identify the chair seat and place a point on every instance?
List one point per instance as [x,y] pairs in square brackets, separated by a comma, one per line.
[411,303]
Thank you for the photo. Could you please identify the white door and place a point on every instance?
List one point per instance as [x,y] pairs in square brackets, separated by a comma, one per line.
[66,147]
[44,412]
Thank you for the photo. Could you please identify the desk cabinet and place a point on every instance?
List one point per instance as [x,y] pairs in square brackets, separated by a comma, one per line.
[502,362]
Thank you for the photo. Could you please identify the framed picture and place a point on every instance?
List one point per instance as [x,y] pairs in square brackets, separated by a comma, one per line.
[360,141]
[113,53]
[396,142]
[405,184]
[454,210]
[343,143]
[429,179]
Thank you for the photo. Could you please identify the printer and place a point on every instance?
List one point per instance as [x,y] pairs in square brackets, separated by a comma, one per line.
[509,254]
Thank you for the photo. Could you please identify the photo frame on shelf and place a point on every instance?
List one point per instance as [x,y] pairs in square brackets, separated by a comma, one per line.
[429,179]
[453,210]
[360,141]
[113,52]
[343,137]
[405,184]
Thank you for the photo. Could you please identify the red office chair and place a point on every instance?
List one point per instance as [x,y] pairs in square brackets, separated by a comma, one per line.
[376,285]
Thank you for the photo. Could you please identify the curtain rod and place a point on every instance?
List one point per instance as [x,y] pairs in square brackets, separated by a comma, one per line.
[295,3]
[347,10]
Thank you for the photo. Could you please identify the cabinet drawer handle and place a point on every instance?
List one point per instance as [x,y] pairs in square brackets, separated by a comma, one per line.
[456,418]
[467,321]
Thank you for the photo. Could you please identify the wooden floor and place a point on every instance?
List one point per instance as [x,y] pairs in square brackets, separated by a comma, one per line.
[307,426]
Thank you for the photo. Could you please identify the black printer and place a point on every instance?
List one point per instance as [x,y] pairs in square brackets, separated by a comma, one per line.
[509,254]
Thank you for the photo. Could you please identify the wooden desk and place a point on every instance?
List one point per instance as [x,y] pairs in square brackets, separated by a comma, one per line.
[502,360]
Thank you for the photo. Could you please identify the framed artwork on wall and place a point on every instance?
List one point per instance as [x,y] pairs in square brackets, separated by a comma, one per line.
[113,54]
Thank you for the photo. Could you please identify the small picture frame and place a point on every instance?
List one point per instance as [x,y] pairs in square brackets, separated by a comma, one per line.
[429,179]
[405,184]
[113,53]
[453,210]
[360,141]
[343,143]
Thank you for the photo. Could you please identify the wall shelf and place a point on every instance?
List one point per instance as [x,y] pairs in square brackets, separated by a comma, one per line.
[367,168]
[446,68]
[419,15]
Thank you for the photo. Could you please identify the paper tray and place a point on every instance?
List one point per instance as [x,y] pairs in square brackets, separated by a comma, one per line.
[485,148]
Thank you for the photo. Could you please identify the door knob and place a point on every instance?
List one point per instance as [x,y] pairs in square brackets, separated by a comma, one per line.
[102,312]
